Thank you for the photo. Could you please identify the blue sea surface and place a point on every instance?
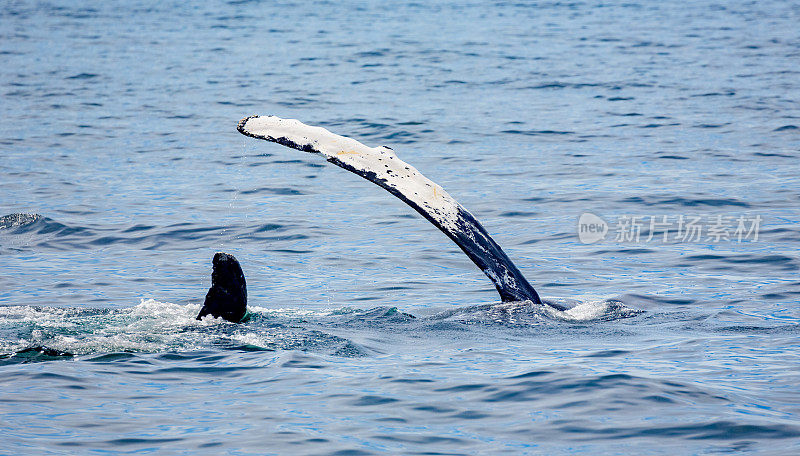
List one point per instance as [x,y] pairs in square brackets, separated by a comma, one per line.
[121,173]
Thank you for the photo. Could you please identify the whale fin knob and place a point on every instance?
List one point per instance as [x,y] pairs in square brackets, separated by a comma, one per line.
[227,297]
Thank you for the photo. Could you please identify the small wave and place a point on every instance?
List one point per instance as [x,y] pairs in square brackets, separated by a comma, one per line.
[82,76]
[21,231]
[526,313]
[25,230]
[669,201]
[34,354]
[18,220]
[537,132]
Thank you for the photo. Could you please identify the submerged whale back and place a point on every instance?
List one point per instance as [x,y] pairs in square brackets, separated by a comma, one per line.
[381,166]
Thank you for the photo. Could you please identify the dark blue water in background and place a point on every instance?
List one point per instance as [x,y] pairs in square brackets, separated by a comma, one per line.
[118,131]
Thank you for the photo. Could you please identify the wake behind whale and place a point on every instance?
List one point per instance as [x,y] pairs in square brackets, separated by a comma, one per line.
[34,334]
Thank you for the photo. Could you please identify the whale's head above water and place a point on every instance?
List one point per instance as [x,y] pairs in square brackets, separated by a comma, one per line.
[227,297]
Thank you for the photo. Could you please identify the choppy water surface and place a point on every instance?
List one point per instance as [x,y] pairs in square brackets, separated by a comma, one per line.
[122,173]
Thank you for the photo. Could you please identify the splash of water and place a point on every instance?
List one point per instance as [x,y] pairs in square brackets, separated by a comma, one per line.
[28,332]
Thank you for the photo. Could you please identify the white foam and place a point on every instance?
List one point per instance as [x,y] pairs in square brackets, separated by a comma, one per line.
[585,311]
[150,326]
[589,309]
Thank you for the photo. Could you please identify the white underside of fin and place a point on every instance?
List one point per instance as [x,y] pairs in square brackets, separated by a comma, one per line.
[382,161]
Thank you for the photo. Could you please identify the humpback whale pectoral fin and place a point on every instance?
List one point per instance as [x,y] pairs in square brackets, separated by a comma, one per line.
[381,166]
[227,297]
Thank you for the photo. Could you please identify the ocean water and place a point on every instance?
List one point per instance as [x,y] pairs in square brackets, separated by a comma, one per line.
[121,173]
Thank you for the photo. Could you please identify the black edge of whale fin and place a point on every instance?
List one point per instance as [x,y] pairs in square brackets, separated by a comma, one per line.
[475,242]
[463,229]
[227,297]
